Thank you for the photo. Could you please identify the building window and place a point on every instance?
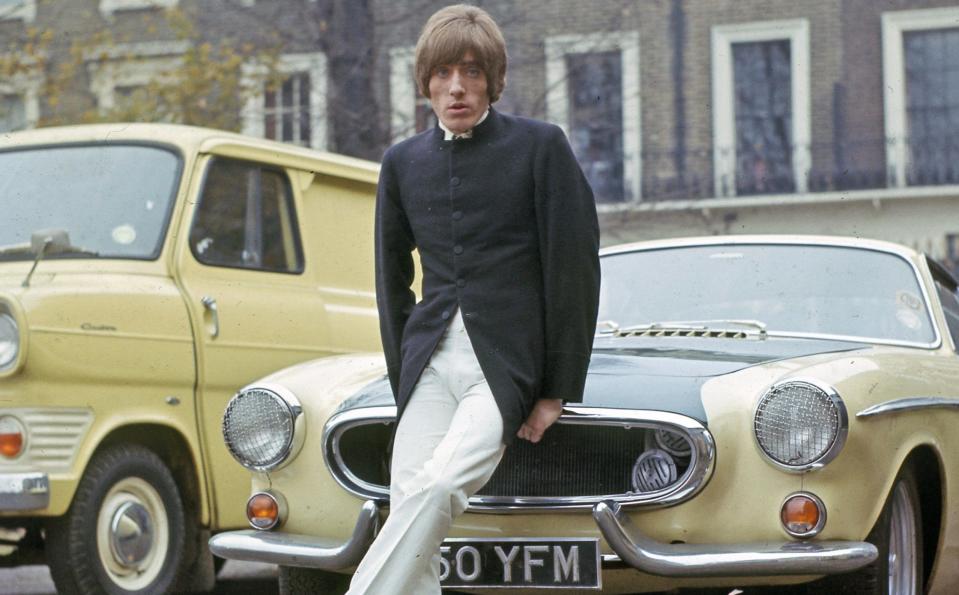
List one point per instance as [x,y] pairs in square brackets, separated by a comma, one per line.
[108,7]
[286,112]
[20,99]
[294,110]
[592,86]
[921,81]
[120,74]
[595,114]
[762,82]
[410,112]
[761,122]
[11,10]
[13,113]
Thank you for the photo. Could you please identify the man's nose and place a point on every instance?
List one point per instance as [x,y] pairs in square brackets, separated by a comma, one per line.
[456,84]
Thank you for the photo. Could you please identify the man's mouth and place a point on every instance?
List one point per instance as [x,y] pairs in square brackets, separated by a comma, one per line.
[458,108]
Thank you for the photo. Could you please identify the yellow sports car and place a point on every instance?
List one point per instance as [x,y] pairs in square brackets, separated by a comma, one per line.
[759,411]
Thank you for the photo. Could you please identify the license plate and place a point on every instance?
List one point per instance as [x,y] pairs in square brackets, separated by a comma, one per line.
[493,563]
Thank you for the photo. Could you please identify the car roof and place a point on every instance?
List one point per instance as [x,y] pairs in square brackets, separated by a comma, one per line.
[195,139]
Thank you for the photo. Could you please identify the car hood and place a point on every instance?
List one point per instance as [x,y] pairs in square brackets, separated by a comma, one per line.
[658,373]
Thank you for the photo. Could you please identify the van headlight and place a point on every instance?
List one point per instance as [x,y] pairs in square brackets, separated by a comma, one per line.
[263,427]
[9,340]
[800,425]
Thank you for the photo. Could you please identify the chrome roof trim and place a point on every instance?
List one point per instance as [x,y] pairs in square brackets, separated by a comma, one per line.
[702,460]
[909,404]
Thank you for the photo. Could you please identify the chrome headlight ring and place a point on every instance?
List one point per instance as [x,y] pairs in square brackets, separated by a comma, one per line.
[264,427]
[800,424]
[13,337]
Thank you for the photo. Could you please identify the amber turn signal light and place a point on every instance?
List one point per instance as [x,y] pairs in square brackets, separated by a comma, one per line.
[11,437]
[265,510]
[803,515]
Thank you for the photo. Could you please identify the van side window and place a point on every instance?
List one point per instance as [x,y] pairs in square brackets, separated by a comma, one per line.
[950,307]
[246,219]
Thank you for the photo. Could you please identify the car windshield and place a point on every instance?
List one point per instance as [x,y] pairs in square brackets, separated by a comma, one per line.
[792,289]
[113,201]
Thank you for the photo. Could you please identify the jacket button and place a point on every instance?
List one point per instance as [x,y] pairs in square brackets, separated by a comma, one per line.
[457,215]
[454,181]
[461,282]
[446,315]
[457,249]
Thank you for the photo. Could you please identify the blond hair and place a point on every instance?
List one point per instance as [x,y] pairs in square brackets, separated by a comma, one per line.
[455,30]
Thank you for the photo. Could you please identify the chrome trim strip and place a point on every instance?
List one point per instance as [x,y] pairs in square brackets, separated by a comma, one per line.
[702,459]
[726,560]
[24,491]
[299,425]
[909,404]
[834,449]
[305,551]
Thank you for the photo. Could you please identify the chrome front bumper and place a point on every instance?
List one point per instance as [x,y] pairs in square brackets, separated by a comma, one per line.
[24,491]
[627,540]
[306,551]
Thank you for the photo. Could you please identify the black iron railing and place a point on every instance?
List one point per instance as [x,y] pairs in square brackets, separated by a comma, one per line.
[827,167]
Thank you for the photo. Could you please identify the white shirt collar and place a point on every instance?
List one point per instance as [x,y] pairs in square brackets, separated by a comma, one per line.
[450,135]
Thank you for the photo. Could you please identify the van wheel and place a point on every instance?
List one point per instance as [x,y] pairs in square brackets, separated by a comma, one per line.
[304,581]
[898,536]
[125,530]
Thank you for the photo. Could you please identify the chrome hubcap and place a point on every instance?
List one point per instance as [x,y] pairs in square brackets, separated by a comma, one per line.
[902,544]
[131,534]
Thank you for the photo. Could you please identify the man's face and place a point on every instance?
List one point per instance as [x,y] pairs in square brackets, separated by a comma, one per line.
[458,93]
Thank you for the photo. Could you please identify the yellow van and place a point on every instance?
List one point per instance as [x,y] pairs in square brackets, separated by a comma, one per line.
[146,272]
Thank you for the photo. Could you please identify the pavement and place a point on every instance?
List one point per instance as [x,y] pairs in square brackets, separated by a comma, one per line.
[234,579]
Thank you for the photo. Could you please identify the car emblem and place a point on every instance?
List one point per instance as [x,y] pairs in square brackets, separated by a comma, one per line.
[654,470]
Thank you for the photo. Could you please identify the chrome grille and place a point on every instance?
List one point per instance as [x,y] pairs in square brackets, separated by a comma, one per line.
[587,457]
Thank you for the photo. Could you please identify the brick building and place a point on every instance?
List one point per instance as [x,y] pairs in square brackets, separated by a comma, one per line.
[689,116]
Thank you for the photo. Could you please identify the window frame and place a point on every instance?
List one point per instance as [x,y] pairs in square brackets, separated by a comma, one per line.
[28,85]
[558,107]
[26,11]
[796,32]
[109,7]
[130,65]
[294,217]
[895,24]
[254,111]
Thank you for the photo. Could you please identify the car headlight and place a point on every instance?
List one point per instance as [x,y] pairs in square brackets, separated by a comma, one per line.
[9,340]
[801,424]
[263,426]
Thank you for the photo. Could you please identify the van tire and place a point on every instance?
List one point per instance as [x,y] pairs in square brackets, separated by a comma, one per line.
[125,530]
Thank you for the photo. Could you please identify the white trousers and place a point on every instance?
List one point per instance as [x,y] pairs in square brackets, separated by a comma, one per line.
[447,446]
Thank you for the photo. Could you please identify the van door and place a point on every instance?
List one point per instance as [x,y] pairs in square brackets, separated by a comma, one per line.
[253,301]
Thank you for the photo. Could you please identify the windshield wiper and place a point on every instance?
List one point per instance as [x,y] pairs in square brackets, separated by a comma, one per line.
[691,325]
[52,241]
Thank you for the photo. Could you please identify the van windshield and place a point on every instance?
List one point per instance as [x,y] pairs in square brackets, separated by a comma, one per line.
[113,201]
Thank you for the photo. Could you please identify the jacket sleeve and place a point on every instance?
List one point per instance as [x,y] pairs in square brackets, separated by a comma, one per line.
[569,250]
[393,244]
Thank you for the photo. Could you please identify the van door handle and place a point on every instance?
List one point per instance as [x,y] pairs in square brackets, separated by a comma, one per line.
[209,304]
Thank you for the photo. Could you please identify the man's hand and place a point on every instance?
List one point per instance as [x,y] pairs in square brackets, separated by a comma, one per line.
[544,413]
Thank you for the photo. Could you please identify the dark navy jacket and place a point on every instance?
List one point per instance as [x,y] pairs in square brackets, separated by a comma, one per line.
[505,225]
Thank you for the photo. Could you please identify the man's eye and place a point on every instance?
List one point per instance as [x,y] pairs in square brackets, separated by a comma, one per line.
[474,72]
[442,71]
